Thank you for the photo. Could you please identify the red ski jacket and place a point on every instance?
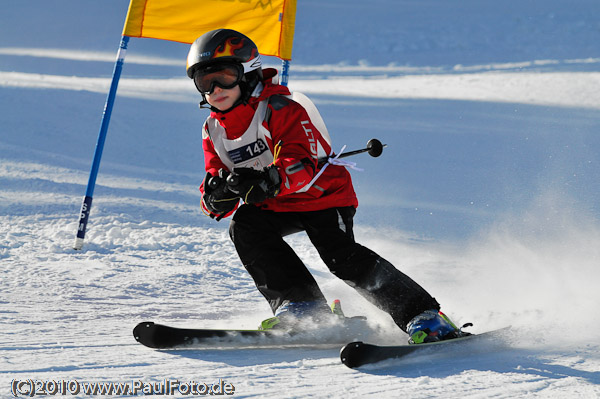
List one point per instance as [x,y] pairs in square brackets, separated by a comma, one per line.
[290,126]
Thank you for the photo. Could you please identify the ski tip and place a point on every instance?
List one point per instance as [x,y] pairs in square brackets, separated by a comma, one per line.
[350,354]
[143,326]
[141,331]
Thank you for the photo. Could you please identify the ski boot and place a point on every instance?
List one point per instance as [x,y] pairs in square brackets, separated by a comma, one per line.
[433,326]
[297,316]
[306,316]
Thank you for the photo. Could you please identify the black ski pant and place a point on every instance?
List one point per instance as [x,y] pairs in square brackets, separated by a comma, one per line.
[280,275]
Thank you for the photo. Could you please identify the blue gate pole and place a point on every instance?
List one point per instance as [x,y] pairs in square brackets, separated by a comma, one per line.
[285,72]
[110,100]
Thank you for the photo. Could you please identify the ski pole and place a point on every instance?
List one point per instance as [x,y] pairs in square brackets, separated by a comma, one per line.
[374,148]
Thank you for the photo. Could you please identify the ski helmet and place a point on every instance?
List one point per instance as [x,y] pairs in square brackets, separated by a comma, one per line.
[226,46]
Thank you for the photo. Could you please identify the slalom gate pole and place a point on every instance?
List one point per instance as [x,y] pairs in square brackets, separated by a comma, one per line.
[110,100]
[285,72]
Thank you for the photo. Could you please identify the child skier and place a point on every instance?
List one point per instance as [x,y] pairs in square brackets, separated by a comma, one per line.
[261,147]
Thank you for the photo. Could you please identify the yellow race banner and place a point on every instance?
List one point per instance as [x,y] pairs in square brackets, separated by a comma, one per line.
[269,23]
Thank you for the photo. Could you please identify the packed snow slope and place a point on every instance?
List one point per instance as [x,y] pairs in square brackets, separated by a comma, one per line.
[487,194]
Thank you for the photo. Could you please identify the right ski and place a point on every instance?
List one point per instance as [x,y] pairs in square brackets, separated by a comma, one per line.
[356,354]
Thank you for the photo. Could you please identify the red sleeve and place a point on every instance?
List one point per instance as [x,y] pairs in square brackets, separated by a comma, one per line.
[212,164]
[299,139]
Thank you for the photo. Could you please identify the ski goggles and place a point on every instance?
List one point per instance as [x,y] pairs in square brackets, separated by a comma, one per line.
[226,76]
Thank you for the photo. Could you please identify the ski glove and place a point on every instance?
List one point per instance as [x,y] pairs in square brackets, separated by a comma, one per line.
[253,185]
[217,198]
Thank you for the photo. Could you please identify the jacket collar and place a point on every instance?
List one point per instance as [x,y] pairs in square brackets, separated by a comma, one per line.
[237,120]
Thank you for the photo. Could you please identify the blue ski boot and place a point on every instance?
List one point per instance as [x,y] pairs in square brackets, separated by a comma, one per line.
[432,326]
[298,316]
[306,316]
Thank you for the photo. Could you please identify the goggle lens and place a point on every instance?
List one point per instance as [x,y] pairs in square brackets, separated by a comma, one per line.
[224,76]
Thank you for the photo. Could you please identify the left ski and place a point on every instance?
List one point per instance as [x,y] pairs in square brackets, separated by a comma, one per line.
[159,336]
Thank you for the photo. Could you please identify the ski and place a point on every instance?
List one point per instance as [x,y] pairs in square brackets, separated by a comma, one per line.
[159,336]
[356,354]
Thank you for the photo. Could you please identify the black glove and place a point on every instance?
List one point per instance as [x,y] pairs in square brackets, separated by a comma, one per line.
[253,185]
[217,198]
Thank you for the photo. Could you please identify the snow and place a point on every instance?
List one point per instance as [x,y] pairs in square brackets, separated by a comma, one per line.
[487,194]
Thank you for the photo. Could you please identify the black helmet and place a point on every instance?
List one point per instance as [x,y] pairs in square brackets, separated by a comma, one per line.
[224,46]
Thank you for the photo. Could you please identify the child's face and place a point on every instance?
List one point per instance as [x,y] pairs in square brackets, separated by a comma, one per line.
[223,99]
